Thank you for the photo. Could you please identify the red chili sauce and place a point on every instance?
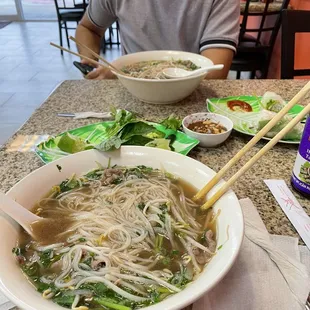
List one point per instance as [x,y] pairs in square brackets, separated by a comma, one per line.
[237,105]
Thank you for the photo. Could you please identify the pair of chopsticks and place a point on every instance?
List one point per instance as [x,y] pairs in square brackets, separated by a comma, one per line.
[107,64]
[210,202]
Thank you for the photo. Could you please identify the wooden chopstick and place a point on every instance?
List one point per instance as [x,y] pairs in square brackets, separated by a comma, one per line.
[252,142]
[96,55]
[79,55]
[258,155]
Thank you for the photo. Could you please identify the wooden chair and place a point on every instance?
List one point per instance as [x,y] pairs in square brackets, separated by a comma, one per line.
[68,11]
[292,22]
[254,51]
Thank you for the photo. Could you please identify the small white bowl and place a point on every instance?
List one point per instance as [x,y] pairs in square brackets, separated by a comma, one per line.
[208,140]
[161,91]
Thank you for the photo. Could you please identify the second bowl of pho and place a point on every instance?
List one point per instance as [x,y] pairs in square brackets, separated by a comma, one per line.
[129,234]
[144,79]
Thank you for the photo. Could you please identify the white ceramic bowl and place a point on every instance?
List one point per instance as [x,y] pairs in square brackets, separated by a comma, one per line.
[161,91]
[14,284]
[208,140]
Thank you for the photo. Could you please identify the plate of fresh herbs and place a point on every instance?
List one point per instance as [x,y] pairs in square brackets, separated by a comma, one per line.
[125,129]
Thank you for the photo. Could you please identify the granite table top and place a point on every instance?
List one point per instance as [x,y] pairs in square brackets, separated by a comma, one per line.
[98,96]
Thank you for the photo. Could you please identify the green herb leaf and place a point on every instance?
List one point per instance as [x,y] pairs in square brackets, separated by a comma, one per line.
[31,270]
[141,206]
[64,300]
[17,251]
[172,122]
[140,129]
[111,304]
[138,140]
[69,184]
[111,144]
[47,258]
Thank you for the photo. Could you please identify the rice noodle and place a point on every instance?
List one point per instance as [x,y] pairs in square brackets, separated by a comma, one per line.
[117,237]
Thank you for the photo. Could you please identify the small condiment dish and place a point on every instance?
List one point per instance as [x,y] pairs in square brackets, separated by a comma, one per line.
[208,140]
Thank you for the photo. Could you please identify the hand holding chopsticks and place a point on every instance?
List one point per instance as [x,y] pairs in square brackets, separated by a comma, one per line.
[93,61]
[301,94]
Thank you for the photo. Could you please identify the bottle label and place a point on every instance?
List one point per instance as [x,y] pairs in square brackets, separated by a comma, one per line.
[301,171]
[301,174]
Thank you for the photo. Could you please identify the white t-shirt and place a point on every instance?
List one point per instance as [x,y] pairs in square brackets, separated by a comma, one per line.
[186,25]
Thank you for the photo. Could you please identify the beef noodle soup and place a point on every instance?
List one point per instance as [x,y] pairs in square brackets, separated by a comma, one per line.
[153,69]
[117,238]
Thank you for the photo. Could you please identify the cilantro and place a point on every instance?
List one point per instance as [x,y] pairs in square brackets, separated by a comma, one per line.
[17,251]
[47,258]
[117,181]
[141,206]
[69,184]
[63,299]
[172,122]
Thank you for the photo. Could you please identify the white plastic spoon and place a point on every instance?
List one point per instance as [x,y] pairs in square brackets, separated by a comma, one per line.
[175,73]
[18,213]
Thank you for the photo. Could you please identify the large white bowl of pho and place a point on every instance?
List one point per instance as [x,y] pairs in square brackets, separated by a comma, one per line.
[144,78]
[120,232]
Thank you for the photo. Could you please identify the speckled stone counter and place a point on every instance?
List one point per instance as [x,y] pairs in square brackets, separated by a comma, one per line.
[78,96]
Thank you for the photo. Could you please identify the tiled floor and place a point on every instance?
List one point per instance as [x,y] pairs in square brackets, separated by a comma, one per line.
[30,70]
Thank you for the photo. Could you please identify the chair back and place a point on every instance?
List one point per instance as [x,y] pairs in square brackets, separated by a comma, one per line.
[70,4]
[255,42]
[292,22]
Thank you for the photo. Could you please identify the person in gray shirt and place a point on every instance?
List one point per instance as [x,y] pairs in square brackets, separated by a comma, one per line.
[208,27]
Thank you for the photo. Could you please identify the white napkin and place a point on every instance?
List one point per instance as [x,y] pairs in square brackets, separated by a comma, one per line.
[269,273]
[80,115]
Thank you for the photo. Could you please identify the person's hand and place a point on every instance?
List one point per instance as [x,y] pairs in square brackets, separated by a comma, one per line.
[99,73]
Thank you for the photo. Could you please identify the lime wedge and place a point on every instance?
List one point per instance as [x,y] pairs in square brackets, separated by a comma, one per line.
[71,144]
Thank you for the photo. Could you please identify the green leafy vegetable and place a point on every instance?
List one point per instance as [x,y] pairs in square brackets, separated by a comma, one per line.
[181,278]
[138,140]
[17,251]
[141,206]
[111,304]
[113,143]
[31,269]
[141,129]
[63,299]
[172,122]
[47,258]
[69,184]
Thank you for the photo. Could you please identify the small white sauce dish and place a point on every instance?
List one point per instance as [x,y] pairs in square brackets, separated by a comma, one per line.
[208,140]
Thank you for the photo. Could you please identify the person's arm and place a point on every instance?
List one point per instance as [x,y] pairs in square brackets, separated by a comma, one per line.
[90,35]
[90,32]
[220,37]
[219,56]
